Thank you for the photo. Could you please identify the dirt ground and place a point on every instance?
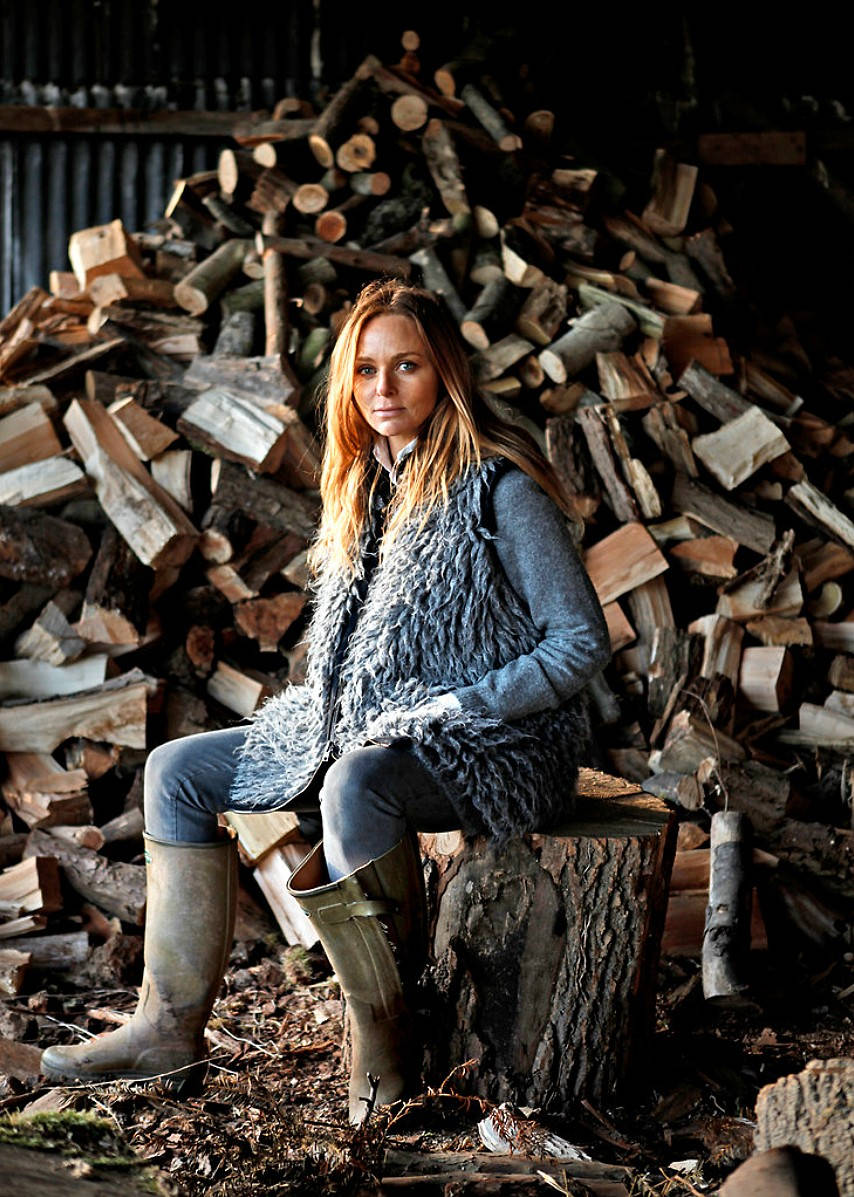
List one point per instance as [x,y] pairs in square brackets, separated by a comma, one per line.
[270,1119]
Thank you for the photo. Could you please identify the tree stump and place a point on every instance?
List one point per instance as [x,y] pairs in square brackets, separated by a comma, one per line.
[813,1110]
[544,953]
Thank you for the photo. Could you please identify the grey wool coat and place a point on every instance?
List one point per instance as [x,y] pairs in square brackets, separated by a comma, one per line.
[439,614]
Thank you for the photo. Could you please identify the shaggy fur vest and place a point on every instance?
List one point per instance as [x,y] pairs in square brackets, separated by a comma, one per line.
[438,614]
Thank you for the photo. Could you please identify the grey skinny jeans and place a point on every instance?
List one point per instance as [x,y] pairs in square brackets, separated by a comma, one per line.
[367,798]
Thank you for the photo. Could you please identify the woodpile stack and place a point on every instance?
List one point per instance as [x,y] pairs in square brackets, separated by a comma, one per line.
[158,470]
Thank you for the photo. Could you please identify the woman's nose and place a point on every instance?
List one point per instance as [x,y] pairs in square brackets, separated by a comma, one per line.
[385,381]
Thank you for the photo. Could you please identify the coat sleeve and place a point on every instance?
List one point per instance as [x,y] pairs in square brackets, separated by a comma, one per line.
[537,554]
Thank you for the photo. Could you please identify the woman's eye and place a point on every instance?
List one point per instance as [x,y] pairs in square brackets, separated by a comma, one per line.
[408,367]
[364,369]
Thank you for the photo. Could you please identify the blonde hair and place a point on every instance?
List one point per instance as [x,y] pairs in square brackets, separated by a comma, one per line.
[459,433]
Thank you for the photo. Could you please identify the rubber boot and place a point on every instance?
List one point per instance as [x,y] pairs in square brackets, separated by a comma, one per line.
[372,925]
[189,926]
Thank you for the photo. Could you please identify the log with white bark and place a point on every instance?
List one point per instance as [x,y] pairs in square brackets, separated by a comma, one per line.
[726,937]
[114,711]
[601,330]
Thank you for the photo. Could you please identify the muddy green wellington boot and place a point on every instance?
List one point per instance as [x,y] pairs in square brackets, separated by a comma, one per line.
[372,925]
[189,924]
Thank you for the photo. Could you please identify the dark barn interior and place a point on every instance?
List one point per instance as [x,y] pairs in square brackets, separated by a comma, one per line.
[642,224]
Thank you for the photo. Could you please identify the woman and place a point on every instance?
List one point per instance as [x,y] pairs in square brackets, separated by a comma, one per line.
[453,632]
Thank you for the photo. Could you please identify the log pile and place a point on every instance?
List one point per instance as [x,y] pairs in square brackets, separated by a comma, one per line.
[158,471]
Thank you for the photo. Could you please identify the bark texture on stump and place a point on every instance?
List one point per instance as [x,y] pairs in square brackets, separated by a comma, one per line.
[813,1110]
[544,952]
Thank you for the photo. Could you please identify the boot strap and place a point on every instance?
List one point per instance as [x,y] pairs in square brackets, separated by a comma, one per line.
[341,912]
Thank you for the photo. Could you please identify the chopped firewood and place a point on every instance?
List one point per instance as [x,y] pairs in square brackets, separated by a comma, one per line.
[807,500]
[625,559]
[32,886]
[841,673]
[198,289]
[750,528]
[44,794]
[13,970]
[127,826]
[107,289]
[689,741]
[779,630]
[237,429]
[52,952]
[261,831]
[229,582]
[620,498]
[115,711]
[42,483]
[272,872]
[821,561]
[51,638]
[620,629]
[740,447]
[267,619]
[171,471]
[765,679]
[148,518]
[750,599]
[41,548]
[600,330]
[115,606]
[838,637]
[626,381]
[26,436]
[711,556]
[85,834]
[104,249]
[722,640]
[114,886]
[146,436]
[673,190]
[238,690]
[822,725]
[20,926]
[258,379]
[634,471]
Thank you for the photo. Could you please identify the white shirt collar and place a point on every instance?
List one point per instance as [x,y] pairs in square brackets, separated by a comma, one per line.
[382,453]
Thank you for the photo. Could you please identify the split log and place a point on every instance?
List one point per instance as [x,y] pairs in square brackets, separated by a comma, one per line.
[740,447]
[726,936]
[115,606]
[673,190]
[272,872]
[104,249]
[43,483]
[808,501]
[14,966]
[146,436]
[255,379]
[625,559]
[597,999]
[543,312]
[51,637]
[237,429]
[238,690]
[27,436]
[751,528]
[765,679]
[32,885]
[113,886]
[812,1110]
[115,712]
[444,166]
[148,518]
[620,498]
[43,794]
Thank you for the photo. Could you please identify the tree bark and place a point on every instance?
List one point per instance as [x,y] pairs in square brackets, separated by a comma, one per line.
[544,952]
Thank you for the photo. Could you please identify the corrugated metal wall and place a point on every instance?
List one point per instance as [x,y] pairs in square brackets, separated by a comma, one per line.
[125,54]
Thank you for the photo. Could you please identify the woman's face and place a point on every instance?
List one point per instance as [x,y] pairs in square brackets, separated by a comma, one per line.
[395,387]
